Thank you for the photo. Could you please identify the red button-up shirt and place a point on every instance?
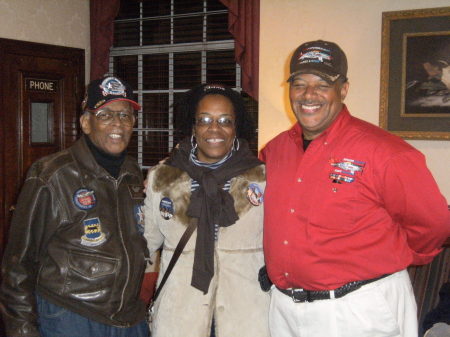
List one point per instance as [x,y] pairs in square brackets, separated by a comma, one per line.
[359,203]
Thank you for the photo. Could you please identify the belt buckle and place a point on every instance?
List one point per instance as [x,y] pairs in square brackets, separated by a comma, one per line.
[299,295]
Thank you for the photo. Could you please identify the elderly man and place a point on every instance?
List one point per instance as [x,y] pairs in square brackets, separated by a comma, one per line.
[348,207]
[76,254]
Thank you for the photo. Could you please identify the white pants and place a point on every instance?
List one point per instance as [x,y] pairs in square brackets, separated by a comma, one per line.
[384,308]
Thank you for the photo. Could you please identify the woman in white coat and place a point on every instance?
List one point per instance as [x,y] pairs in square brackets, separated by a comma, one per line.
[213,180]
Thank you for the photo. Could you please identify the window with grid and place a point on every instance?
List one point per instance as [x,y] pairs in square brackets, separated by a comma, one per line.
[163,48]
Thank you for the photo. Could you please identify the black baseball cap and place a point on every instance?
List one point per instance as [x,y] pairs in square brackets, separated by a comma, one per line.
[321,58]
[106,90]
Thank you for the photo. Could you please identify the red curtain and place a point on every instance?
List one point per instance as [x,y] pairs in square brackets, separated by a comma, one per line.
[102,15]
[243,24]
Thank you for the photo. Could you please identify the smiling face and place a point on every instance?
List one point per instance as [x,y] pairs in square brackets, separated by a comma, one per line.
[315,102]
[214,140]
[111,138]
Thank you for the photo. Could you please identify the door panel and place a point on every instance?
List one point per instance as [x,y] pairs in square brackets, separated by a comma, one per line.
[41,115]
[40,94]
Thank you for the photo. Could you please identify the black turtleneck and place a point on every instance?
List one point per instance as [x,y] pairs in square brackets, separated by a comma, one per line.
[109,162]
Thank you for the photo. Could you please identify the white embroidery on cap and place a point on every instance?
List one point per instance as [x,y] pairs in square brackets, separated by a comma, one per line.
[113,86]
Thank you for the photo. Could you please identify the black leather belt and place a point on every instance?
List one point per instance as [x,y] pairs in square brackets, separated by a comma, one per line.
[302,295]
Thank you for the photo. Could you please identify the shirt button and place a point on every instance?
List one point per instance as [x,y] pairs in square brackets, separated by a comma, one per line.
[286,274]
[292,210]
[285,242]
[299,180]
[325,143]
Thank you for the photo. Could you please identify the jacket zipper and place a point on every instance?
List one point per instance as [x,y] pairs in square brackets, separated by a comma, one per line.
[116,183]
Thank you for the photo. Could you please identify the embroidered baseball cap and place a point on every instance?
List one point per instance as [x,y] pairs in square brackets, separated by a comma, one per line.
[321,58]
[107,90]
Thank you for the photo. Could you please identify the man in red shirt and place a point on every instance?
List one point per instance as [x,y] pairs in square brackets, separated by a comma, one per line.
[348,207]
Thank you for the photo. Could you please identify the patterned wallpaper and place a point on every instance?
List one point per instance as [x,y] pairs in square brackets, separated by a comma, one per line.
[58,22]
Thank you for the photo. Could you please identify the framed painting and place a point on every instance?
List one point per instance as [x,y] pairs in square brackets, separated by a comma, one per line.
[415,73]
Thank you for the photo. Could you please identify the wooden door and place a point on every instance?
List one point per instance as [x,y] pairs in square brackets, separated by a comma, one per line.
[41,88]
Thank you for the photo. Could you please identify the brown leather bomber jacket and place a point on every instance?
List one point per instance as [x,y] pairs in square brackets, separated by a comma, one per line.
[76,240]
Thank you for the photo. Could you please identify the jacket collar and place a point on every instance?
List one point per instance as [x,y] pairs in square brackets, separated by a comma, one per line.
[88,165]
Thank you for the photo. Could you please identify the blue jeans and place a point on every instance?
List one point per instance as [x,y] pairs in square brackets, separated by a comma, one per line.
[55,321]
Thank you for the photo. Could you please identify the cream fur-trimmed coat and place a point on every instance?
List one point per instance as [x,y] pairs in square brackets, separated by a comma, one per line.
[234,298]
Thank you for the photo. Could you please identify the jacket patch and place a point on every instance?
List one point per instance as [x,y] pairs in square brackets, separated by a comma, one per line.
[345,170]
[173,184]
[139,217]
[166,208]
[84,199]
[255,194]
[93,235]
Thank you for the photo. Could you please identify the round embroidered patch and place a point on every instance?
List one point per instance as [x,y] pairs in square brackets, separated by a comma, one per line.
[112,86]
[84,199]
[166,208]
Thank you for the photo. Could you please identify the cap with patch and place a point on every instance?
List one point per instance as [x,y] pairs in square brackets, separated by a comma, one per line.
[107,90]
[321,58]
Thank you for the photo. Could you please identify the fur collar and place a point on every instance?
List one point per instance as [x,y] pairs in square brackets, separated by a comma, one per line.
[175,184]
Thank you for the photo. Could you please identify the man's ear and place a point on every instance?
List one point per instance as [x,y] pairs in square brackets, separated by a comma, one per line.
[344,90]
[85,123]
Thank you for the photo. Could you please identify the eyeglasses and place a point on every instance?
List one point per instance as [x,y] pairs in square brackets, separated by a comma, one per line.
[106,116]
[224,122]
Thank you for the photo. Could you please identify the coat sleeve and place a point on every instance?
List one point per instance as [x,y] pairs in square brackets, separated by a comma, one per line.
[413,200]
[152,233]
[21,259]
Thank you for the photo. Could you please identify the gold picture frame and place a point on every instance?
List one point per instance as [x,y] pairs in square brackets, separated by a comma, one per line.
[415,73]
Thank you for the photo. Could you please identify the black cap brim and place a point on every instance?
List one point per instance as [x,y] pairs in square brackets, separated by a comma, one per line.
[135,105]
[330,78]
